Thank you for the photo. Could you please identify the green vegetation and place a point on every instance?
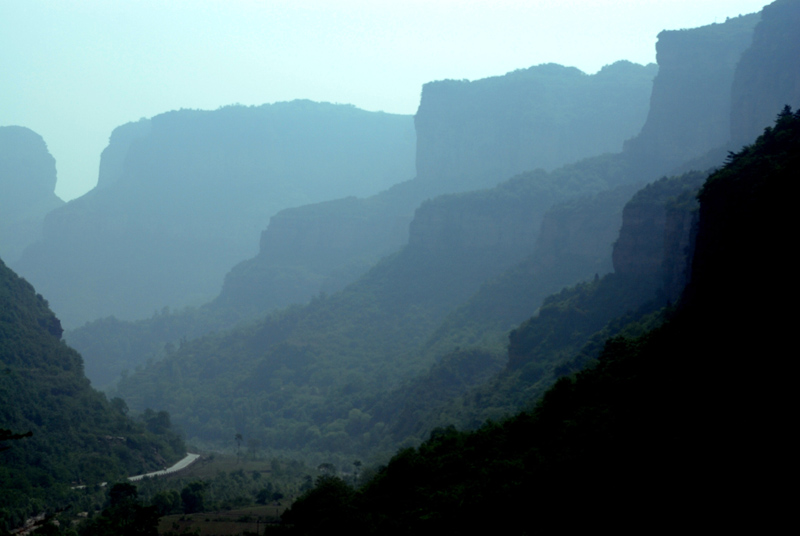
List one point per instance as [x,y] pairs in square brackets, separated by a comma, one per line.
[657,431]
[62,432]
[626,397]
[379,365]
[307,378]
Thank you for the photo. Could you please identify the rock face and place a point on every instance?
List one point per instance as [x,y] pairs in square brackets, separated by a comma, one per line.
[768,75]
[112,161]
[27,189]
[679,236]
[691,101]
[541,117]
[475,221]
[574,243]
[469,134]
[657,231]
[183,196]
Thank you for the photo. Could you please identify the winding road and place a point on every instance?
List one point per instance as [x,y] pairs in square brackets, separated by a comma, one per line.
[182,464]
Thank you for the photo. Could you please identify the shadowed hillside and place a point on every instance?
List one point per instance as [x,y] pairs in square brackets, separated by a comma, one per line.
[659,430]
[76,436]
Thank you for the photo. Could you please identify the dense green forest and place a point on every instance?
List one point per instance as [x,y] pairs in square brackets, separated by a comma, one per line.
[56,432]
[657,430]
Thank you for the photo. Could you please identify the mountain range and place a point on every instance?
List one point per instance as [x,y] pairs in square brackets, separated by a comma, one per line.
[559,315]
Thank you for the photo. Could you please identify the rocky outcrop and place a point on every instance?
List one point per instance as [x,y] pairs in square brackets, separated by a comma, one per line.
[469,135]
[27,189]
[545,116]
[656,233]
[574,244]
[476,222]
[768,75]
[314,248]
[690,107]
[679,234]
[112,160]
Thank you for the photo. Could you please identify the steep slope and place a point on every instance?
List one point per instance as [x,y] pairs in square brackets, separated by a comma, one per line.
[678,426]
[78,437]
[541,117]
[574,244]
[690,107]
[768,74]
[470,135]
[310,377]
[323,247]
[510,370]
[27,189]
[184,195]
[320,368]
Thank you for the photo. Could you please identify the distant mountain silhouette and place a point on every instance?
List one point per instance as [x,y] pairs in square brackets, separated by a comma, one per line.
[183,196]
[27,189]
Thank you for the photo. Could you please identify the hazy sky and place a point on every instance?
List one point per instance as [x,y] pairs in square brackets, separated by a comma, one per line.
[74,70]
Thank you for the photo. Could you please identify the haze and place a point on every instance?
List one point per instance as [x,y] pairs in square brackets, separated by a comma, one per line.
[73,71]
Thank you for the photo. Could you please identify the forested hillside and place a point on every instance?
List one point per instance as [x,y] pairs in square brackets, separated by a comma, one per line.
[569,326]
[306,377]
[72,435]
[674,425]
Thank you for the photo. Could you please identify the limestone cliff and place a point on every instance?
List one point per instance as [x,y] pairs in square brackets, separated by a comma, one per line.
[768,75]
[679,234]
[183,196]
[27,189]
[313,248]
[469,134]
[574,244]
[655,237]
[691,100]
[112,160]
[545,116]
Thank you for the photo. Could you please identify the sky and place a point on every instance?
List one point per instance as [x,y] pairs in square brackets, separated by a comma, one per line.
[74,70]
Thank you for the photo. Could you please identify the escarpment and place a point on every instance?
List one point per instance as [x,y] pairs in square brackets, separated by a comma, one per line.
[27,189]
[768,74]
[183,196]
[484,131]
[656,232]
[690,105]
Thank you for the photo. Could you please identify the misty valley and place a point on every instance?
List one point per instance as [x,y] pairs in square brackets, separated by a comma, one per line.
[544,301]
